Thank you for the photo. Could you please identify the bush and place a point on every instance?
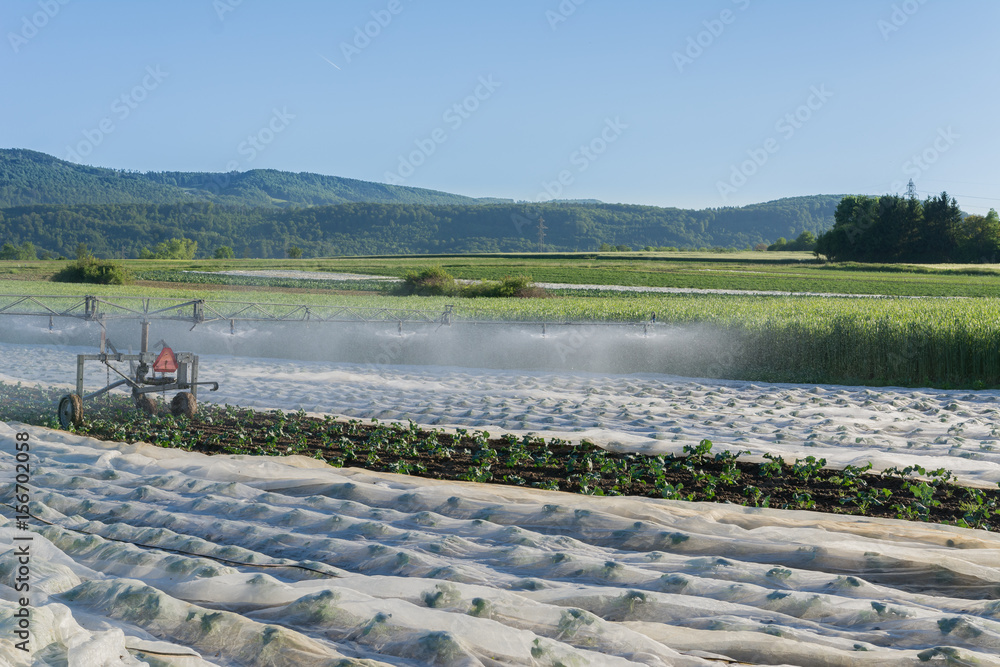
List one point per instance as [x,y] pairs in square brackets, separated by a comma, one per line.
[90,270]
[509,287]
[517,286]
[433,281]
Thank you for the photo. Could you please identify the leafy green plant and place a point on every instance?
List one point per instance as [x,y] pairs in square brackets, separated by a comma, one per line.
[529,460]
[773,466]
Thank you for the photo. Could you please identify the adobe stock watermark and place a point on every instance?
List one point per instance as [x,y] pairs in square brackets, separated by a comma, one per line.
[249,148]
[900,16]
[33,23]
[865,222]
[583,158]
[223,7]
[454,117]
[787,126]
[919,163]
[906,355]
[23,539]
[697,44]
[258,141]
[728,360]
[121,108]
[530,218]
[562,13]
[573,344]
[365,34]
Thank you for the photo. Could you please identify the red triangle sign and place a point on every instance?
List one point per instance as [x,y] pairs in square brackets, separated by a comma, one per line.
[166,362]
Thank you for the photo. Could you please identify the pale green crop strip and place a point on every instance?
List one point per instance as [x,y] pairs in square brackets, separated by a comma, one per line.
[937,342]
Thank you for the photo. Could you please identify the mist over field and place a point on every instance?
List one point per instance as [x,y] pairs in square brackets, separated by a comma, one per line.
[693,350]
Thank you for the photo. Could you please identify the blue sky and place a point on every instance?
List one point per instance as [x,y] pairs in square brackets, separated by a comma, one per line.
[660,102]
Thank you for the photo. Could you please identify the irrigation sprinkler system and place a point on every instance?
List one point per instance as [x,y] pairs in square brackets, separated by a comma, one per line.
[160,369]
[151,371]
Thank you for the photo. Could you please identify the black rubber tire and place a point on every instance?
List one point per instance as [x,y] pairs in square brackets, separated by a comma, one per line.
[70,410]
[184,405]
[145,404]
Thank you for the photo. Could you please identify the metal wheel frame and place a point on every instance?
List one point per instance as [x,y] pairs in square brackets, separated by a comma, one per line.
[144,403]
[70,411]
[184,404]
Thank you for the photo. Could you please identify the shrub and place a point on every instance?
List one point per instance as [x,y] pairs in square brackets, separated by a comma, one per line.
[90,270]
[508,287]
[518,286]
[433,281]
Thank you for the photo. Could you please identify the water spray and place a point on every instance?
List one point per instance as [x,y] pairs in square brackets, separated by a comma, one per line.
[434,337]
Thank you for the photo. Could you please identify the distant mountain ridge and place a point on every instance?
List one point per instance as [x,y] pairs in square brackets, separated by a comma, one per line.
[262,213]
[28,178]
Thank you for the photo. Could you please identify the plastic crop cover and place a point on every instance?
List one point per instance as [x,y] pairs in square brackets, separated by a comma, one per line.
[165,557]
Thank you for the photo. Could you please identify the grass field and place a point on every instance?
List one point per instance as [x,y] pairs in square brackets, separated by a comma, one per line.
[789,272]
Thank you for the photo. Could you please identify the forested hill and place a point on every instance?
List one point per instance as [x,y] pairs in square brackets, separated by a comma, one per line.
[28,178]
[56,204]
[369,228]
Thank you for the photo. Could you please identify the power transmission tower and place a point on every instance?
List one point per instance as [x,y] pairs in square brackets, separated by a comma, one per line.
[541,234]
[911,190]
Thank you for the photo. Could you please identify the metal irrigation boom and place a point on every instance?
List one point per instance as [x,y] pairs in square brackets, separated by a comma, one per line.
[199,311]
[184,365]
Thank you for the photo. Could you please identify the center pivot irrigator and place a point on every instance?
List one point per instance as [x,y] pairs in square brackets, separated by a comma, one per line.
[160,369]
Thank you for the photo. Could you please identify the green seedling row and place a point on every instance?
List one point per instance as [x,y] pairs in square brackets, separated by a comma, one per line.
[700,474]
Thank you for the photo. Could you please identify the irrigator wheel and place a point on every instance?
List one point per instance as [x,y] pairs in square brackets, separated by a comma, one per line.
[70,410]
[184,405]
[145,404]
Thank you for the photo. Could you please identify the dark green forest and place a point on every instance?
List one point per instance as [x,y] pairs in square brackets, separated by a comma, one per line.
[56,205]
[124,230]
[904,229]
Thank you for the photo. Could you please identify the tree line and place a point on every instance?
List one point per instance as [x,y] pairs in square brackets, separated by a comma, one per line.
[130,230]
[893,228]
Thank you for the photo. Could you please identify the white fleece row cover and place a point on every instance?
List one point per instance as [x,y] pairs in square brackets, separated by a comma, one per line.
[144,555]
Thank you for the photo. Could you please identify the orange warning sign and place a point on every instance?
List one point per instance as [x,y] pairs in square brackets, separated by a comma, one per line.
[166,362]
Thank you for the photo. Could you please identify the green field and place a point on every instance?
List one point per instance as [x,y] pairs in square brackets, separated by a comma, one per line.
[942,342]
[787,272]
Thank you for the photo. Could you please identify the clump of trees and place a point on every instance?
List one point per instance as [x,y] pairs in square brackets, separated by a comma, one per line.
[435,281]
[892,228]
[25,251]
[172,249]
[805,241]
